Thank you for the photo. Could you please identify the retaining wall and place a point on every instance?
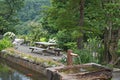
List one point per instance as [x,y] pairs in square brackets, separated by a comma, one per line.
[24,63]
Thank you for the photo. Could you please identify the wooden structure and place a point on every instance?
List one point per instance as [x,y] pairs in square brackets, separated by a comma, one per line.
[46,47]
[70,55]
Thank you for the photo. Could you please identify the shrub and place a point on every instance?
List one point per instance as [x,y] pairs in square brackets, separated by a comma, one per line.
[92,51]
[5,43]
[84,56]
[65,41]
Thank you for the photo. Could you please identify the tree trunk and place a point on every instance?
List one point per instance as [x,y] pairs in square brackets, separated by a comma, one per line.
[81,23]
[111,47]
[111,36]
[106,54]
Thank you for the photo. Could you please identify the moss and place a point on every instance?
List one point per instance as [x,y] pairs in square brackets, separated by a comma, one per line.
[4,68]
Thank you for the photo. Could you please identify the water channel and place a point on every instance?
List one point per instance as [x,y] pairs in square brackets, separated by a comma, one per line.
[10,71]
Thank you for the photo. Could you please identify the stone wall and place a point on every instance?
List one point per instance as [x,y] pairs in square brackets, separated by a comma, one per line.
[25,63]
[58,73]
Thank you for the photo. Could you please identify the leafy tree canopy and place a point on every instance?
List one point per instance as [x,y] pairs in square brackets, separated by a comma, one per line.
[7,11]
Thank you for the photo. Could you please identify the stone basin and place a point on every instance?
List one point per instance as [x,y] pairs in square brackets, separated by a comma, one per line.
[89,71]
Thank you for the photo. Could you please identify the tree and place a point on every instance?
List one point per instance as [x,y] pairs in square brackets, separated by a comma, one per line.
[104,20]
[81,24]
[65,15]
[111,8]
[32,9]
[30,12]
[7,11]
[86,18]
[37,31]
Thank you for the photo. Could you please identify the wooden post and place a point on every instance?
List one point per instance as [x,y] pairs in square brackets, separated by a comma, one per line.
[70,57]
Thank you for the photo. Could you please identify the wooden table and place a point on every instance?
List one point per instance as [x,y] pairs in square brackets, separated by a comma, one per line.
[49,47]
[46,45]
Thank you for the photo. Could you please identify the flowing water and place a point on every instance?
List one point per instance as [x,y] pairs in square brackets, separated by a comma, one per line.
[79,59]
[10,71]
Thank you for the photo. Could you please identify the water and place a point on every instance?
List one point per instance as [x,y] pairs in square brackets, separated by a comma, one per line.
[10,71]
[79,59]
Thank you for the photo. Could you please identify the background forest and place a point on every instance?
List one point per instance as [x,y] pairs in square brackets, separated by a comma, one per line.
[90,28]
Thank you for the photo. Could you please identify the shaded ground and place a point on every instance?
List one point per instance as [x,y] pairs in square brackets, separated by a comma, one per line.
[36,53]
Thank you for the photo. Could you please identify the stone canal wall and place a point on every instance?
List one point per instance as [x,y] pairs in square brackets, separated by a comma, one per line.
[62,72]
[24,63]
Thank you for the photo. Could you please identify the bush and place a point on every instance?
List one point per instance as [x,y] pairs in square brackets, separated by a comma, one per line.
[5,43]
[65,41]
[84,56]
[92,51]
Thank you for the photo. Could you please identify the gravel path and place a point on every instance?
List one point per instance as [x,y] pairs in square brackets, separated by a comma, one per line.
[26,50]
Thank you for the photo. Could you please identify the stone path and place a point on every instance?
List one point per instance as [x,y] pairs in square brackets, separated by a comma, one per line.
[26,50]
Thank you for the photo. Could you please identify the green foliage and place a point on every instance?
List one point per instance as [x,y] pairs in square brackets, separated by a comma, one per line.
[8,10]
[5,43]
[111,10]
[93,44]
[43,39]
[92,51]
[9,7]
[32,9]
[51,30]
[37,31]
[65,40]
[30,12]
[23,28]
[71,45]
[84,56]
[61,20]
[62,14]
[3,25]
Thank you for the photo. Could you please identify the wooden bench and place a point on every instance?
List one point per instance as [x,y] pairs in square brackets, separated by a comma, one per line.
[37,48]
